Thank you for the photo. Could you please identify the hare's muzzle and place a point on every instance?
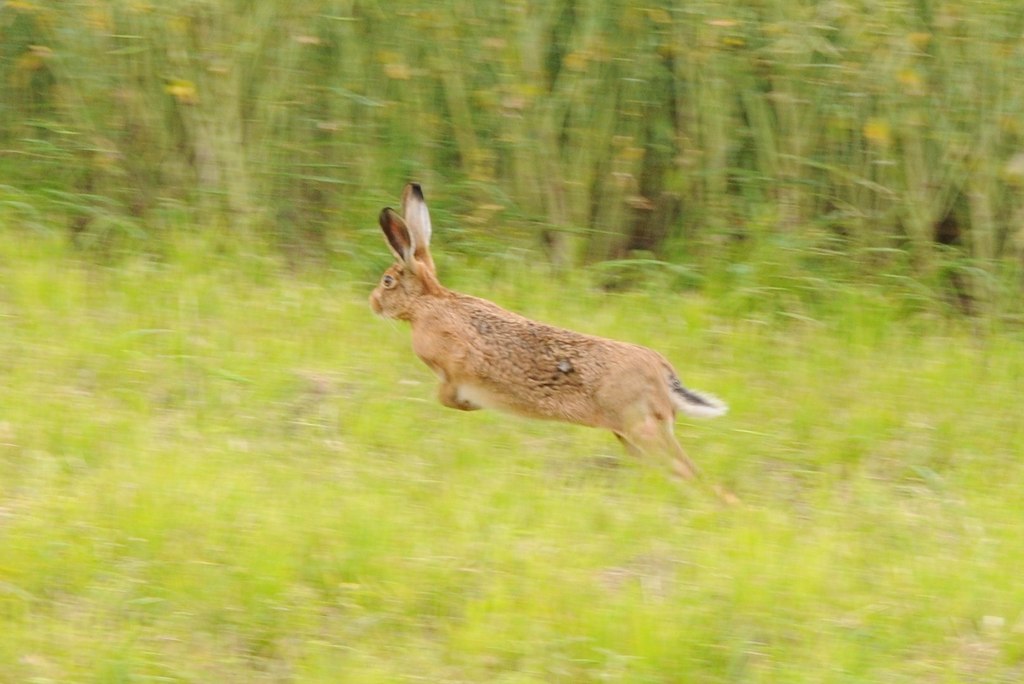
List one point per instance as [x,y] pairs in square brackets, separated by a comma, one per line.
[375,302]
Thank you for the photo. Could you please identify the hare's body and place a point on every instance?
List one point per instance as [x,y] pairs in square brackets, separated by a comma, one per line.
[487,357]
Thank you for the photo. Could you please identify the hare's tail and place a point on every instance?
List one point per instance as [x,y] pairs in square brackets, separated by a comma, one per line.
[694,403]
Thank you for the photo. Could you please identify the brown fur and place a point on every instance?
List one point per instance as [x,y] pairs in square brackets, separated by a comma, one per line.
[487,357]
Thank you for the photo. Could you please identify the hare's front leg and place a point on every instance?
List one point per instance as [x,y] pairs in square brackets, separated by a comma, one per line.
[448,392]
[448,395]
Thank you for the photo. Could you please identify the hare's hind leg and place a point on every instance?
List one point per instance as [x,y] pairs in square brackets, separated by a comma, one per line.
[632,449]
[656,434]
[652,434]
[683,466]
[681,463]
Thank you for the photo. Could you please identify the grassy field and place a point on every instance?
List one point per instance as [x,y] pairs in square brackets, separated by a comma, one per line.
[217,468]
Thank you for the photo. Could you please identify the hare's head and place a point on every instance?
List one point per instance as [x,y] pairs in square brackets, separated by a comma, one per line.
[407,282]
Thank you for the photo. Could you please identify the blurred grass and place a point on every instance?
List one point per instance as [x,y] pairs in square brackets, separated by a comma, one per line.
[608,128]
[216,468]
[216,465]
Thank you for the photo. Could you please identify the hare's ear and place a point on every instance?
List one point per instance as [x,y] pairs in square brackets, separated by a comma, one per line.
[417,218]
[398,236]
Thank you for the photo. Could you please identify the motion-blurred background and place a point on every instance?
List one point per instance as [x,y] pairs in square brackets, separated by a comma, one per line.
[217,466]
[889,133]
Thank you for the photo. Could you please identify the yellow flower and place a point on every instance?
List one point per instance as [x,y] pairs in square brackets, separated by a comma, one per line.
[911,80]
[909,77]
[659,15]
[878,132]
[576,61]
[920,39]
[99,19]
[395,67]
[398,71]
[182,90]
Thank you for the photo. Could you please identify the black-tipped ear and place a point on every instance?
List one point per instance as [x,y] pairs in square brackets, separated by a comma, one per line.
[397,234]
[417,220]
[412,191]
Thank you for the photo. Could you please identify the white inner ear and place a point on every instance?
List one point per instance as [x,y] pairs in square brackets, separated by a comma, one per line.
[417,218]
[421,221]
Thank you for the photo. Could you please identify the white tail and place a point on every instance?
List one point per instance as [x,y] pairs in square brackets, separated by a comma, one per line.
[696,404]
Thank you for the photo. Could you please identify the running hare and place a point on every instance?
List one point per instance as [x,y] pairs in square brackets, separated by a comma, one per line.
[487,357]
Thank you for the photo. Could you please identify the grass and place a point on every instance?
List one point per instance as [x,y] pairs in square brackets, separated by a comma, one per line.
[609,129]
[216,468]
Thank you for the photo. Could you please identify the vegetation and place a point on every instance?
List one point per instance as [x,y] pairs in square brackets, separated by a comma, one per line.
[217,466]
[607,127]
[214,469]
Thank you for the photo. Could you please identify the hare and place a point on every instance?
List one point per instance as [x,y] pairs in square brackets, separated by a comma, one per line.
[488,358]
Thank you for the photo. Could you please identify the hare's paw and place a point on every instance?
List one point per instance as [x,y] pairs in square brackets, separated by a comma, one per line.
[450,396]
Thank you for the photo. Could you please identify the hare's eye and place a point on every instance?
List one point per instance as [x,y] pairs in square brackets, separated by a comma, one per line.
[388,281]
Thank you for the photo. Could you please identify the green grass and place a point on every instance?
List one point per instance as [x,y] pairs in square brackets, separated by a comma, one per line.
[214,468]
[610,129]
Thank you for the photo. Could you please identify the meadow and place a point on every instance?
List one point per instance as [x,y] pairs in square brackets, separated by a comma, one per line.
[217,467]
